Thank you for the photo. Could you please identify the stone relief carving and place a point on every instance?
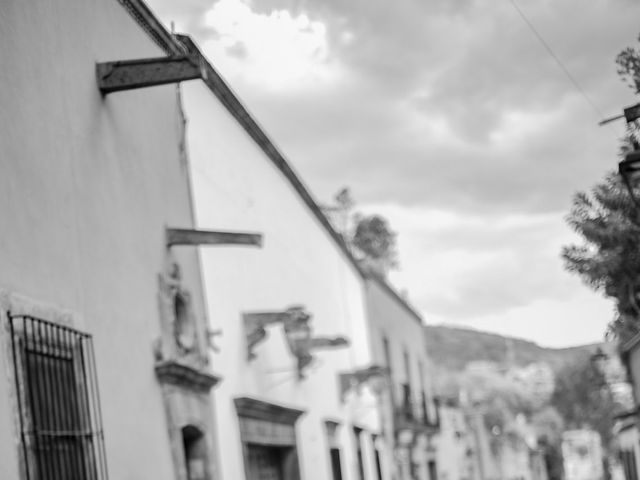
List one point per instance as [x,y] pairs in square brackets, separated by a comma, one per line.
[296,322]
[256,324]
[179,329]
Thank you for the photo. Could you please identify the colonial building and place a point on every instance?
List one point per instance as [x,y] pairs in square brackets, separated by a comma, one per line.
[296,400]
[409,414]
[104,367]
[109,359]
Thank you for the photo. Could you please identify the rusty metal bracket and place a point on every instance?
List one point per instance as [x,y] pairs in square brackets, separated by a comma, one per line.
[148,72]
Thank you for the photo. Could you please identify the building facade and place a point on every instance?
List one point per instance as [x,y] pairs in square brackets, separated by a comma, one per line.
[104,370]
[116,361]
[294,352]
[409,414]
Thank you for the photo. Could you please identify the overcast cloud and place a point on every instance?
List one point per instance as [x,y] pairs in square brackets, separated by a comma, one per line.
[452,120]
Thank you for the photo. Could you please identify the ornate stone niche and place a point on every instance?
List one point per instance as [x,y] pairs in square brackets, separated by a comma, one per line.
[181,338]
[182,368]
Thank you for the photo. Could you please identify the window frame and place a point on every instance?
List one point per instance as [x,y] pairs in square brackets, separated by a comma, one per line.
[71,432]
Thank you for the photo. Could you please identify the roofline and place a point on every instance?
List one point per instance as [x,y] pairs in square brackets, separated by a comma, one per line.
[180,44]
[142,14]
[395,295]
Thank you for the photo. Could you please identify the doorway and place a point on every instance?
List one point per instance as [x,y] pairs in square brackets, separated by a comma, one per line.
[195,453]
[267,462]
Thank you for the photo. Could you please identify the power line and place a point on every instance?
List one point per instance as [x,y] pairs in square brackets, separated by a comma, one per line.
[557,60]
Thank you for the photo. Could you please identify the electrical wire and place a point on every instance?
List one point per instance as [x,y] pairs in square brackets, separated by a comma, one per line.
[549,50]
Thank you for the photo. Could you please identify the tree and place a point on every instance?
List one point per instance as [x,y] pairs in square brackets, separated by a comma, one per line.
[376,242]
[628,62]
[609,259]
[582,398]
[609,221]
[500,398]
[339,213]
[369,237]
[548,424]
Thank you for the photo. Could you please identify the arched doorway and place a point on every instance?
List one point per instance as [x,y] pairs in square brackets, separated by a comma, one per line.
[195,453]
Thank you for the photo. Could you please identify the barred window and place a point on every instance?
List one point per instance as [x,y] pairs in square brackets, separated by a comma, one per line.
[59,410]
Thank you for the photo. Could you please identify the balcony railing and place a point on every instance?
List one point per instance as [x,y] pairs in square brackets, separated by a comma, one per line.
[430,421]
[414,414]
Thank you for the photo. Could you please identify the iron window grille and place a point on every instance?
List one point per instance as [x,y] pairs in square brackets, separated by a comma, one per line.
[407,403]
[58,403]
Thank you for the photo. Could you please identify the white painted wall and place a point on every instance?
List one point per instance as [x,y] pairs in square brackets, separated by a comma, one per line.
[238,188]
[87,185]
[390,319]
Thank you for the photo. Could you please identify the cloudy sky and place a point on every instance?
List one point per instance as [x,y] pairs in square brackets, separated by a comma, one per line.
[451,119]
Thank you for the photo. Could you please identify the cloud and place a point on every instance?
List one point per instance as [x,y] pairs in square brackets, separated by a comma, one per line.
[432,103]
[449,117]
[470,265]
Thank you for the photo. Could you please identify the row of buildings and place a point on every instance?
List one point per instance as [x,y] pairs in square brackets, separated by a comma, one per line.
[155,327]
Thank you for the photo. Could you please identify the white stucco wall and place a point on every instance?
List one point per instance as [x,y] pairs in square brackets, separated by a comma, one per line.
[238,188]
[389,318]
[404,332]
[87,185]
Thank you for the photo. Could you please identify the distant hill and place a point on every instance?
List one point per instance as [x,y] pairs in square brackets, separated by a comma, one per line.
[454,347]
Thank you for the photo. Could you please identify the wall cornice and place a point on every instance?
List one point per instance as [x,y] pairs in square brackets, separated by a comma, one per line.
[253,408]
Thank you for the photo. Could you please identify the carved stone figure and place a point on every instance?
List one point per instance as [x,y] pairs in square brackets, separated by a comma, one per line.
[180,335]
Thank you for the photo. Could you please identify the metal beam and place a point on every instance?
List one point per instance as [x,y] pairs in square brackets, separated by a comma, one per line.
[182,236]
[631,114]
[147,72]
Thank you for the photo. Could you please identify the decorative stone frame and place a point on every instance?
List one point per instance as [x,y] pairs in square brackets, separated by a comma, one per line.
[270,425]
[18,304]
[182,369]
[189,408]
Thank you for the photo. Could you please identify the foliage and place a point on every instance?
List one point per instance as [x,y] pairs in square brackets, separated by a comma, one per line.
[628,62]
[501,398]
[375,240]
[609,259]
[455,347]
[369,237]
[549,425]
[344,200]
[582,398]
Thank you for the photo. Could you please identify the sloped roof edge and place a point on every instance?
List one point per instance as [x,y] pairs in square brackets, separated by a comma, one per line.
[142,14]
[180,44]
[395,295]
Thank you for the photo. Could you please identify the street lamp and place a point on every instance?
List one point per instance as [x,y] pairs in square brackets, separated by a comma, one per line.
[629,170]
